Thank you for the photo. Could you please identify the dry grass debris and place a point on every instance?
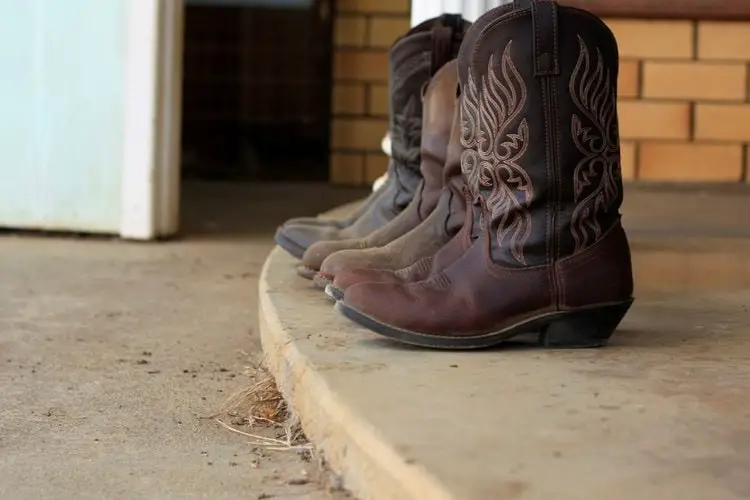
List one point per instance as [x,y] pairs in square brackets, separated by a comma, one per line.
[261,406]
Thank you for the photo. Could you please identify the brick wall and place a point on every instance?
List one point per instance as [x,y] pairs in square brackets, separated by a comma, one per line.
[684,100]
[363,33]
[684,95]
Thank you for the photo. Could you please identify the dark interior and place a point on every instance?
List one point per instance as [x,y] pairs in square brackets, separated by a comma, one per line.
[256,91]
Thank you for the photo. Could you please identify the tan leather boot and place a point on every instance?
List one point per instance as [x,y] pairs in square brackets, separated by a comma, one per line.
[437,120]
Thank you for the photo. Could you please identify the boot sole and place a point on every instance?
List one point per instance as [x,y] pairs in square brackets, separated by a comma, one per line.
[334,293]
[580,329]
[321,282]
[305,272]
[288,245]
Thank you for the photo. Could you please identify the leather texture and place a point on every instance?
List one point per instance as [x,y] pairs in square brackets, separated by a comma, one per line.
[420,252]
[541,144]
[340,223]
[421,268]
[439,123]
[429,233]
[414,59]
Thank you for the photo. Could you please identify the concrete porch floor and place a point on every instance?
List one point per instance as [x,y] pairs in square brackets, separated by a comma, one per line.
[661,413]
[111,353]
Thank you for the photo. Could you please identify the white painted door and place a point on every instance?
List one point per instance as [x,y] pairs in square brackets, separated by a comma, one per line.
[421,10]
[67,99]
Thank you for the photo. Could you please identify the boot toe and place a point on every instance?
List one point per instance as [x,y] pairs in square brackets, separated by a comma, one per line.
[287,244]
[340,261]
[302,236]
[319,252]
[348,277]
[389,306]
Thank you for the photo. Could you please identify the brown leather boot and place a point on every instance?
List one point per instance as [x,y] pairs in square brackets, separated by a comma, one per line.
[338,223]
[424,250]
[414,59]
[539,107]
[437,120]
[423,267]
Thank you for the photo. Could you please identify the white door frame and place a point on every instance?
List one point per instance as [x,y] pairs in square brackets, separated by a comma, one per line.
[153,92]
[421,10]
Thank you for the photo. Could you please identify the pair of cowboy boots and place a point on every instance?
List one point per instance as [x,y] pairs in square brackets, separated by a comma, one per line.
[414,59]
[542,249]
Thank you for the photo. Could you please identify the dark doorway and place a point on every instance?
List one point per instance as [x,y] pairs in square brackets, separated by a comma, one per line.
[257,90]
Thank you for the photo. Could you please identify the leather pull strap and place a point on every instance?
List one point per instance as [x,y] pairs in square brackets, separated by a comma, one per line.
[546,38]
[442,40]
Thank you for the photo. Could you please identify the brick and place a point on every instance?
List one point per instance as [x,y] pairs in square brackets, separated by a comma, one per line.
[348,98]
[350,31]
[627,160]
[375,165]
[724,41]
[385,30]
[374,6]
[347,169]
[653,120]
[378,101]
[690,162]
[644,39]
[695,80]
[360,65]
[628,81]
[360,133]
[722,122]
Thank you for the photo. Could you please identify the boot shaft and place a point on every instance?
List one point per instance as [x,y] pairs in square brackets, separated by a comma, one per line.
[414,60]
[541,145]
[437,146]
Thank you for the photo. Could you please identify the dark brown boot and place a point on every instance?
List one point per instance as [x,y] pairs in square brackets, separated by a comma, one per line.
[539,107]
[414,59]
[338,223]
[437,119]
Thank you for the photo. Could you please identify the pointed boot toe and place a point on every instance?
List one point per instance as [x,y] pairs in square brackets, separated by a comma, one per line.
[342,260]
[318,252]
[321,281]
[294,238]
[305,272]
[287,244]
[349,277]
[388,309]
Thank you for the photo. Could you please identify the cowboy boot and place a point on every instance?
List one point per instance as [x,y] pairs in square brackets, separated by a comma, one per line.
[437,119]
[337,223]
[539,103]
[425,266]
[361,208]
[431,232]
[414,58]
[424,250]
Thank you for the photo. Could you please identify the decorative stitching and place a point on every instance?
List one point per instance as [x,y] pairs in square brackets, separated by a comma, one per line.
[597,177]
[406,128]
[419,268]
[491,154]
[407,132]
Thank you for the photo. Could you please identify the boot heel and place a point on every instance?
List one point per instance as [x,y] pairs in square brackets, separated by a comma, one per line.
[584,329]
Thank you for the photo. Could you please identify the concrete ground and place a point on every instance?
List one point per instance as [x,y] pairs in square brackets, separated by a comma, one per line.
[661,413]
[112,353]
